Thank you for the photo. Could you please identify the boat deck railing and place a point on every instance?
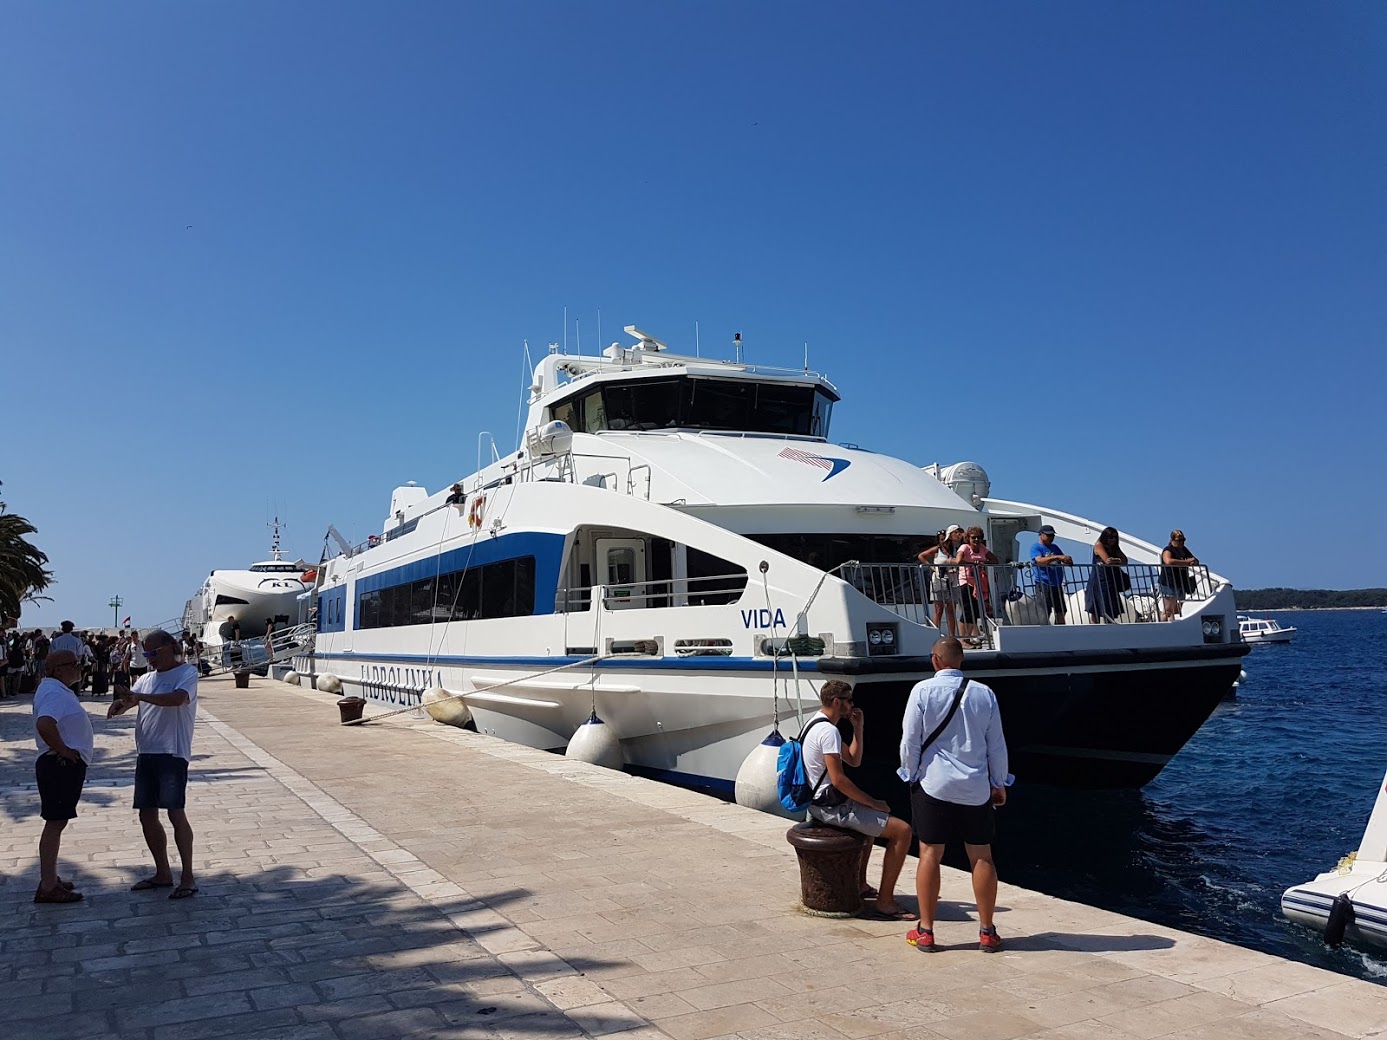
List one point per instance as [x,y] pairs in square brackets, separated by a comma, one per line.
[707,591]
[261,652]
[1013,593]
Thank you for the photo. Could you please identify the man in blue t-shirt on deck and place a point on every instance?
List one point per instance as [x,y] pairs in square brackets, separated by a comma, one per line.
[1049,561]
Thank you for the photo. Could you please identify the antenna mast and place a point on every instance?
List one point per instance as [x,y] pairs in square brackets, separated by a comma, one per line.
[274,542]
[737,345]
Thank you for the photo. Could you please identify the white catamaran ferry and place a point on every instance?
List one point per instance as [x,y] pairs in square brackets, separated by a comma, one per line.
[679,546]
[265,591]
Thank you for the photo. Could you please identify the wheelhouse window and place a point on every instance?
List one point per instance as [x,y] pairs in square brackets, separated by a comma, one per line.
[827,551]
[699,403]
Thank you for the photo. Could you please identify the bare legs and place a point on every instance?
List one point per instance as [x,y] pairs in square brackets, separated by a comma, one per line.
[927,882]
[984,882]
[897,835]
[941,610]
[49,842]
[158,843]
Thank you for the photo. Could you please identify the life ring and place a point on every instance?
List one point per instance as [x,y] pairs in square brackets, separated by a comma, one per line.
[477,512]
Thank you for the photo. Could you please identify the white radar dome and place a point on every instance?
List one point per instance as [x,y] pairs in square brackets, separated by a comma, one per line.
[968,481]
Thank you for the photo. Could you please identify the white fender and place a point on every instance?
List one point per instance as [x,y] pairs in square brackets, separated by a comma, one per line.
[1027,611]
[444,706]
[292,678]
[328,683]
[756,779]
[596,742]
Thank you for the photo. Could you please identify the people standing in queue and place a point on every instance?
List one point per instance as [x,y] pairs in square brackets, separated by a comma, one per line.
[1049,561]
[954,756]
[137,664]
[841,803]
[167,700]
[63,734]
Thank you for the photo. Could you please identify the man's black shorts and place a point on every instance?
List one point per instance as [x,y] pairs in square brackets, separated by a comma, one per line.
[161,782]
[60,786]
[937,822]
[1053,598]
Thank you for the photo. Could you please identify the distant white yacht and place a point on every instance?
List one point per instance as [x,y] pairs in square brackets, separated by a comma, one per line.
[267,590]
[1264,630]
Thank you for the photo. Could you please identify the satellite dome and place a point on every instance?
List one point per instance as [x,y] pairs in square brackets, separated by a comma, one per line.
[968,481]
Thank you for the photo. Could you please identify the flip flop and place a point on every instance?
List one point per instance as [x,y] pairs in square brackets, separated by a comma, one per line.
[868,893]
[57,895]
[183,892]
[148,883]
[871,913]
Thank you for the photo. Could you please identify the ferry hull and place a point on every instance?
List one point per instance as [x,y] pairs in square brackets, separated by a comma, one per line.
[1071,720]
[1094,724]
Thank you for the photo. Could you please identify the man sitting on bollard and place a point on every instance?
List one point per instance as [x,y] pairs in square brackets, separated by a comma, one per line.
[841,803]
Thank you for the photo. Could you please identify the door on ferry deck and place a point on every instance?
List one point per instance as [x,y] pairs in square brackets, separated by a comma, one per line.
[621,563]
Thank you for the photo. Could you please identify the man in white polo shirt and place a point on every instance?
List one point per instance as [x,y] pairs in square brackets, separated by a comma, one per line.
[167,698]
[63,734]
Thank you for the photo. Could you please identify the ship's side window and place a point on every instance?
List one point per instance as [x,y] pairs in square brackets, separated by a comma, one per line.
[368,605]
[713,581]
[571,412]
[502,589]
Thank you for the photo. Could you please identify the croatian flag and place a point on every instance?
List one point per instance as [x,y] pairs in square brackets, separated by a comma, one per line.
[125,622]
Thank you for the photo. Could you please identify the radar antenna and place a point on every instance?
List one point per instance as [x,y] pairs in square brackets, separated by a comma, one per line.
[274,542]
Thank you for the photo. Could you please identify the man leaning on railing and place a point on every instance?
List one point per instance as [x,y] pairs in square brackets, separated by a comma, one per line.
[1050,560]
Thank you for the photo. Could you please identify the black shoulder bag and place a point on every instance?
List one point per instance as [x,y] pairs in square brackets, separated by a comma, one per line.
[953,708]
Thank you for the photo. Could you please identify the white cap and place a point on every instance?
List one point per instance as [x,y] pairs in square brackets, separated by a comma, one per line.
[952,529]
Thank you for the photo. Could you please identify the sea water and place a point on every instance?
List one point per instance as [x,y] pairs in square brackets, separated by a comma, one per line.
[1274,788]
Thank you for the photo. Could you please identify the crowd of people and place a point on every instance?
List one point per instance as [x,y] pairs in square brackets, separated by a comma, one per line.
[961,596]
[104,659]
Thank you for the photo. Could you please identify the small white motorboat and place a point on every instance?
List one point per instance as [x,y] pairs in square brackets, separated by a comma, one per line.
[1350,901]
[1263,630]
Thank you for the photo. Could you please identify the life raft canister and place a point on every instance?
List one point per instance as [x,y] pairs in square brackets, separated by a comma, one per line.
[477,512]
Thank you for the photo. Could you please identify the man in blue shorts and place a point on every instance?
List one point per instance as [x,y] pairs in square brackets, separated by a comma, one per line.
[167,699]
[956,780]
[1050,560]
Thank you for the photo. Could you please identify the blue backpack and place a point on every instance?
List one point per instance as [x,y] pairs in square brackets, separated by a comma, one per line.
[792,779]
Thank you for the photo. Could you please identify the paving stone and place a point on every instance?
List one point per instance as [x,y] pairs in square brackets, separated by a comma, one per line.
[341,899]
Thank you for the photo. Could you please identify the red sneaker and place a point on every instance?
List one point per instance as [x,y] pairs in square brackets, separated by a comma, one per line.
[921,938]
[988,940]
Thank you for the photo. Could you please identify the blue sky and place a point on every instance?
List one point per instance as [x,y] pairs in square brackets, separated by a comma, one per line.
[264,257]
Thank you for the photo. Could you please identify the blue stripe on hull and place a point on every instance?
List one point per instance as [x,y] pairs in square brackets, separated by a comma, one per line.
[656,664]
